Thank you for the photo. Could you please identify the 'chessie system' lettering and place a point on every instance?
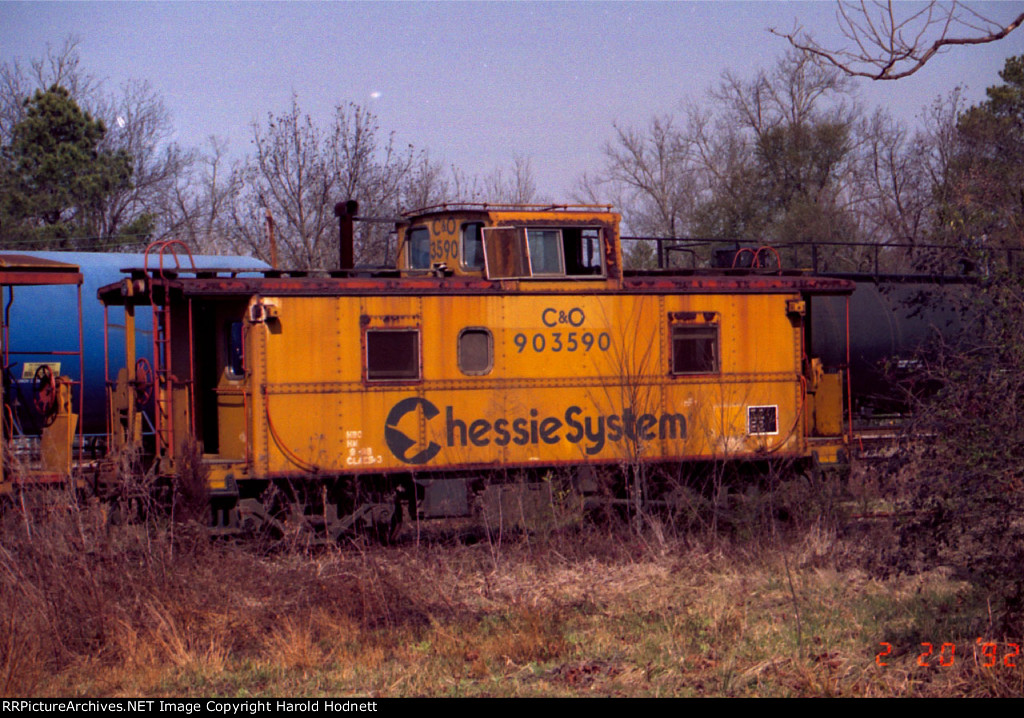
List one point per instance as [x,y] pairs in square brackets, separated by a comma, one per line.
[592,431]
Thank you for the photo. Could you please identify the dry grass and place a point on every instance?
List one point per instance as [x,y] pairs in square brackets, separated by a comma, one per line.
[90,609]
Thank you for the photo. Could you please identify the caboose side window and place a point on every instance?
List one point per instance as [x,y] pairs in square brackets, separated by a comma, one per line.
[694,348]
[472,246]
[392,354]
[583,252]
[520,252]
[419,248]
[545,251]
[505,253]
[234,339]
[476,350]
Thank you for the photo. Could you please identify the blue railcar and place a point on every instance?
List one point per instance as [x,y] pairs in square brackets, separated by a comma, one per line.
[44,319]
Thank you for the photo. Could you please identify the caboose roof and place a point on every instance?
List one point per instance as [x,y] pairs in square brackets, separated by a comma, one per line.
[211,284]
[26,270]
[512,210]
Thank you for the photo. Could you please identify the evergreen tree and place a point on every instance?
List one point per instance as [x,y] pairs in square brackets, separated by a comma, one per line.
[54,175]
[981,201]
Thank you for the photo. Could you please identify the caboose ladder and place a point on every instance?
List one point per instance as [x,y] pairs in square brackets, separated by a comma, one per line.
[163,396]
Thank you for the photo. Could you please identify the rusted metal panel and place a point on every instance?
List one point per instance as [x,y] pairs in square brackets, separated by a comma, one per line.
[585,378]
[744,283]
[484,468]
[327,287]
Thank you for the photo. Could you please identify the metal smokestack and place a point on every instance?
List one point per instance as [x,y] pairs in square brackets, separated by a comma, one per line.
[346,213]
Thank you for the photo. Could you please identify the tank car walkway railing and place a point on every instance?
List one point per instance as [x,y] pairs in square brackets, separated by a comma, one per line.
[892,262]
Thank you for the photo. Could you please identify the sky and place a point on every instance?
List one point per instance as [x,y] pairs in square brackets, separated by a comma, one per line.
[475,83]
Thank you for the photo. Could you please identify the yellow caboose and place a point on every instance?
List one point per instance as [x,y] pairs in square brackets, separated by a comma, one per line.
[506,340]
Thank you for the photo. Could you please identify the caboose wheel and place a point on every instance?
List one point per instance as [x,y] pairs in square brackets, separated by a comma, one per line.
[44,394]
[386,524]
[275,520]
[378,521]
[261,518]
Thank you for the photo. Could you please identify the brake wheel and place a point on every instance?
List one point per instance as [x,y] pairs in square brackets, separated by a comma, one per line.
[44,394]
[143,382]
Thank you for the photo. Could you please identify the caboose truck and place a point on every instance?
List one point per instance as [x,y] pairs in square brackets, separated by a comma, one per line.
[505,342]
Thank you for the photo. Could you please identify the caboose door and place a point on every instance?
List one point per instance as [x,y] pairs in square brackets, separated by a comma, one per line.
[220,373]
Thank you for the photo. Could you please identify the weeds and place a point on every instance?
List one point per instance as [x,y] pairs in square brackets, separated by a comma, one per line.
[581,609]
[958,480]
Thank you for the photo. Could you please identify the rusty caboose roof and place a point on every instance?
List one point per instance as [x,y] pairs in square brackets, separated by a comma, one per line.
[26,270]
[279,283]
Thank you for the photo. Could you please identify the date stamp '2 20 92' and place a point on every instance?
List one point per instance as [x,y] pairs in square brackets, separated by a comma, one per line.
[987,654]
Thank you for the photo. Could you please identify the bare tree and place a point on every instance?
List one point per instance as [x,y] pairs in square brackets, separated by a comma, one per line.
[514,184]
[291,174]
[370,168]
[140,124]
[893,40]
[650,174]
[427,183]
[726,170]
[793,93]
[900,175]
[301,169]
[58,67]
[771,157]
[894,195]
[198,208]
[517,186]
